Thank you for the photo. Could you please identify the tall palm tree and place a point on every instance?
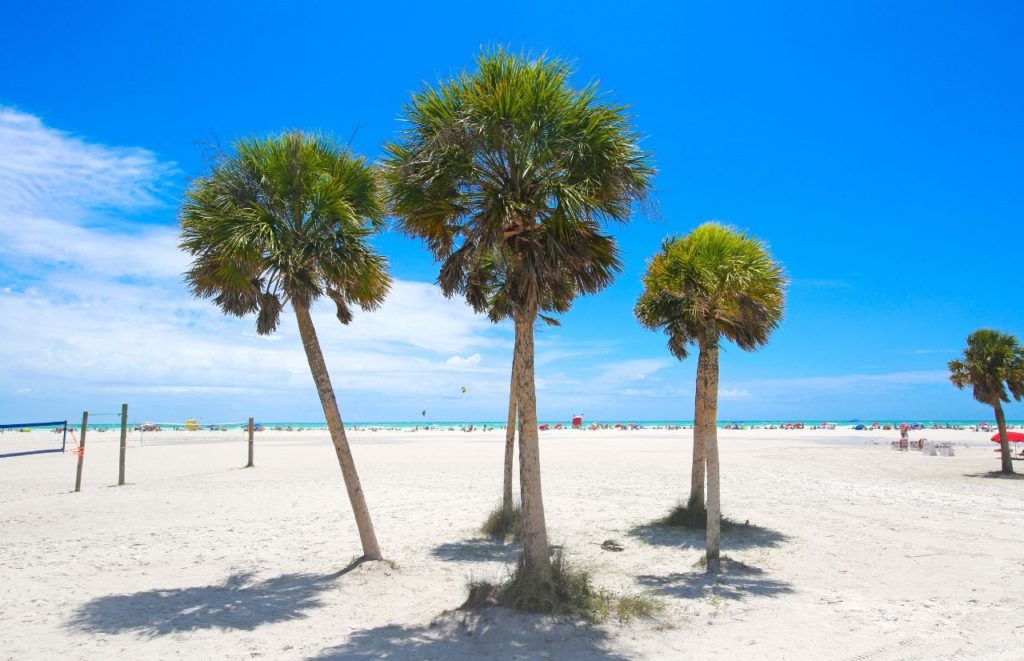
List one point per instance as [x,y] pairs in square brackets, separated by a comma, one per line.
[511,162]
[993,363]
[712,284]
[500,308]
[285,220]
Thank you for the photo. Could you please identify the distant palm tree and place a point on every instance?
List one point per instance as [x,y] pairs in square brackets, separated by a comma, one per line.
[992,363]
[285,220]
[511,163]
[714,283]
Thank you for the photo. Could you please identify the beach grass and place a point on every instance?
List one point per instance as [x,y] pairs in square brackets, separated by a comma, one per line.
[502,526]
[681,517]
[638,606]
[569,592]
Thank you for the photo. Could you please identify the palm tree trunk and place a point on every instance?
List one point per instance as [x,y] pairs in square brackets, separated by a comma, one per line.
[709,377]
[371,551]
[536,553]
[698,469]
[510,446]
[1004,444]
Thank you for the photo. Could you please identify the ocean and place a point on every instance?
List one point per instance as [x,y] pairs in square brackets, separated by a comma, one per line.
[478,424]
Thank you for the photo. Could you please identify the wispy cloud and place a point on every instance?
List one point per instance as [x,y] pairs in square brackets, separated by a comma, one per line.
[43,167]
[852,382]
[821,283]
[94,304]
[923,352]
[625,371]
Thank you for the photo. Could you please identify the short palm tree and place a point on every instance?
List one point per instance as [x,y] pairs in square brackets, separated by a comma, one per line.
[511,163]
[285,221]
[712,284]
[992,364]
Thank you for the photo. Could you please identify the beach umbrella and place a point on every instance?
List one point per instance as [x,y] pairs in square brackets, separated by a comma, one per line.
[1011,436]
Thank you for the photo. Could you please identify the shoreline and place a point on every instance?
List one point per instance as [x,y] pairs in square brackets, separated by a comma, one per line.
[547,425]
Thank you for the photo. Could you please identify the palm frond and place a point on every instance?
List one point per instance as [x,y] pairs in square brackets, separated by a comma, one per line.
[992,365]
[507,174]
[714,282]
[285,219]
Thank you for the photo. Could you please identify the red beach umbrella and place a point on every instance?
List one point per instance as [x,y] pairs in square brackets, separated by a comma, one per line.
[1011,436]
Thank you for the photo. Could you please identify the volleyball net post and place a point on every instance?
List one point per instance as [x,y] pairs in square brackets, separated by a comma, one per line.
[81,452]
[251,430]
[124,444]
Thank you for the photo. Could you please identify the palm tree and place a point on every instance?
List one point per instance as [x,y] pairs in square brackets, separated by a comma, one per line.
[507,505]
[509,162]
[285,220]
[499,308]
[712,284]
[992,363]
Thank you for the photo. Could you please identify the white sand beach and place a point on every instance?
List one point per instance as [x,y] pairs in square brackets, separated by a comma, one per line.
[862,552]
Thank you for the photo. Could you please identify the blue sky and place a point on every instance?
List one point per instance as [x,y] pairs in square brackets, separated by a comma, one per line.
[878,149]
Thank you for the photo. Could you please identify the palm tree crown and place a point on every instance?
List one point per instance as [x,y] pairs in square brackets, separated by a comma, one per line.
[507,173]
[992,363]
[713,282]
[285,219]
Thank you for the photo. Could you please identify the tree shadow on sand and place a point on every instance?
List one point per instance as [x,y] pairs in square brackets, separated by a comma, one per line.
[735,581]
[999,475]
[476,550]
[480,549]
[239,603]
[734,536]
[492,633]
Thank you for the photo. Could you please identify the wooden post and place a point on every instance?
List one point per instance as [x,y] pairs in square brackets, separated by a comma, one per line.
[81,451]
[124,444]
[251,430]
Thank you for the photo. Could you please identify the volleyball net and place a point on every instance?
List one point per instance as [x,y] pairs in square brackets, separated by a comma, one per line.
[189,432]
[24,438]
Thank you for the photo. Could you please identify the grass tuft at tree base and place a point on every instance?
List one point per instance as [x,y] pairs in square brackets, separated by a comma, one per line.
[568,592]
[502,526]
[681,516]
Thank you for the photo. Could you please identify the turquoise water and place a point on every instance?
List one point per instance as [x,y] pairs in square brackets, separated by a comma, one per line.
[464,424]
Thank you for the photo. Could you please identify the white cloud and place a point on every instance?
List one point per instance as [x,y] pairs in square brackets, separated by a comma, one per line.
[44,167]
[95,306]
[460,362]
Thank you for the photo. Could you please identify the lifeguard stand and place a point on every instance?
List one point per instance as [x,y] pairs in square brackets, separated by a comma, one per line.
[577,421]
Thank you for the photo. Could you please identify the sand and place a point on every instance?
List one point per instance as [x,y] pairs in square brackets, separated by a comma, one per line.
[862,552]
